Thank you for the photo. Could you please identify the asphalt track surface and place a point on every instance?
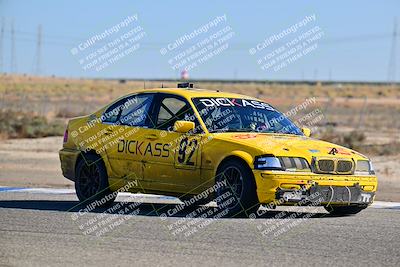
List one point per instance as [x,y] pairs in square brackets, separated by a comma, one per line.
[46,229]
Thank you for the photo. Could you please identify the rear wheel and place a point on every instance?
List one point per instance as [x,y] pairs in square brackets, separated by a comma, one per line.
[236,189]
[344,210]
[91,183]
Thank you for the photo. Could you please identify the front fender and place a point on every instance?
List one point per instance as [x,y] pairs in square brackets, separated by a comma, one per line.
[245,156]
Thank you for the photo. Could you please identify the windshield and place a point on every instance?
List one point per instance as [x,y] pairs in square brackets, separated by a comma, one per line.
[242,115]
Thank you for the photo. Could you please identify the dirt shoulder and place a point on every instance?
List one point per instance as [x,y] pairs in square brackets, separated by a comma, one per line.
[31,163]
[35,163]
[388,171]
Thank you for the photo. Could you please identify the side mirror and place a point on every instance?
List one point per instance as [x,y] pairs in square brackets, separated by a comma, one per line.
[183,126]
[306,131]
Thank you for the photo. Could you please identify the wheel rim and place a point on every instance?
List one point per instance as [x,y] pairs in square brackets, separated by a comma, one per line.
[234,185]
[89,180]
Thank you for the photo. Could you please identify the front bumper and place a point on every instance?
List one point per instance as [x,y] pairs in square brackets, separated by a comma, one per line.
[278,186]
[327,196]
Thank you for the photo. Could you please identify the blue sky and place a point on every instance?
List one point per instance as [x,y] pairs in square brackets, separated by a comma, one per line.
[356,42]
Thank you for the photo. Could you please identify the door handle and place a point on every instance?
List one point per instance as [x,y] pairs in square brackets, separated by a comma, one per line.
[151,136]
[108,132]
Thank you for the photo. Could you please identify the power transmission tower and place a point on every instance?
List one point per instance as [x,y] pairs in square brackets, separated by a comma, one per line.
[13,68]
[392,59]
[1,44]
[37,69]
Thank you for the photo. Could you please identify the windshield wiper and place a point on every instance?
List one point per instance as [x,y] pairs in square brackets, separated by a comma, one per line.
[241,130]
[245,130]
[231,130]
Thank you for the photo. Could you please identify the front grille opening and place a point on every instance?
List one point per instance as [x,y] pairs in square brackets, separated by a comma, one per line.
[344,166]
[326,165]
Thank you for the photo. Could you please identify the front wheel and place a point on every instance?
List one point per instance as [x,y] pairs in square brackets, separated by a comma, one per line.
[344,210]
[236,189]
[91,183]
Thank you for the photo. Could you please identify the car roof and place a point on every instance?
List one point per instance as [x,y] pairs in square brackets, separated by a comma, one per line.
[193,92]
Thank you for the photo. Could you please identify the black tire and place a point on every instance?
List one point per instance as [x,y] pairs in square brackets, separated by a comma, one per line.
[238,195]
[91,183]
[344,210]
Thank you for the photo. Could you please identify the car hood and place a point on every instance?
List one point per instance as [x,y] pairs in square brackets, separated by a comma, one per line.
[290,145]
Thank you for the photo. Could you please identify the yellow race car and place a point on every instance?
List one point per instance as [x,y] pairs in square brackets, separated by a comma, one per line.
[200,145]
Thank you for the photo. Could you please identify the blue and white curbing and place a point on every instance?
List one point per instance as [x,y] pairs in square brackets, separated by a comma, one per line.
[148,197]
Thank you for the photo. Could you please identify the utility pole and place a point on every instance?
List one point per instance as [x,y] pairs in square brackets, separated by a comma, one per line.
[330,75]
[38,63]
[392,59]
[315,74]
[13,68]
[1,45]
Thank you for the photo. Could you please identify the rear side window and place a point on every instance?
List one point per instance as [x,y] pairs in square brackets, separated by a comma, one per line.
[112,113]
[137,112]
[131,110]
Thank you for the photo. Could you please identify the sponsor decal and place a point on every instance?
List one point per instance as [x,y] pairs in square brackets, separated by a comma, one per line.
[234,102]
[143,148]
[334,151]
[245,136]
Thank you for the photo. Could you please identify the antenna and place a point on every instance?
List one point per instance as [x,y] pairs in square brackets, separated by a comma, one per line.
[392,59]
[1,44]
[37,69]
[13,68]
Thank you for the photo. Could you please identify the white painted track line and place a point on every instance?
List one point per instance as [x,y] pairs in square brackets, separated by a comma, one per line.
[147,197]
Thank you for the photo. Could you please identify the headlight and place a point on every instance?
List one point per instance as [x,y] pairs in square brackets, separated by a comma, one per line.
[364,167]
[267,163]
[371,168]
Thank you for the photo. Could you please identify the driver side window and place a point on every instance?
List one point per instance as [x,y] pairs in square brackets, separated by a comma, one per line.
[171,110]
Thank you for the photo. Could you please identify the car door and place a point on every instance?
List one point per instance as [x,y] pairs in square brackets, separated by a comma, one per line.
[124,137]
[177,167]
